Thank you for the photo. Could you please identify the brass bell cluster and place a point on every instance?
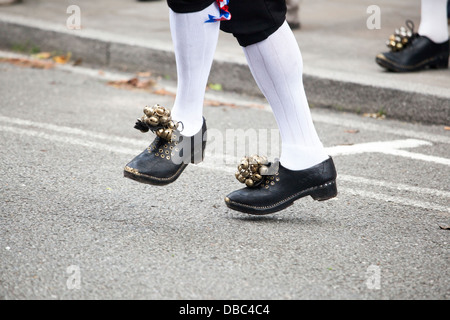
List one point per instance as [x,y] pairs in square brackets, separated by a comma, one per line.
[252,169]
[159,120]
[401,38]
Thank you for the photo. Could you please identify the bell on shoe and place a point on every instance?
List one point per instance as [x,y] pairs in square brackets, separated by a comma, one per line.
[170,153]
[270,187]
[410,51]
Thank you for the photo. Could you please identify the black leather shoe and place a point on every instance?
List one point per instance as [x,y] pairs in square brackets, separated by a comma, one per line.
[420,54]
[279,191]
[165,159]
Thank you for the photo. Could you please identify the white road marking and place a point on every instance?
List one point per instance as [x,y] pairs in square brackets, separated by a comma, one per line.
[393,186]
[390,148]
[68,140]
[68,130]
[417,156]
[386,147]
[397,200]
[217,162]
[410,201]
[378,146]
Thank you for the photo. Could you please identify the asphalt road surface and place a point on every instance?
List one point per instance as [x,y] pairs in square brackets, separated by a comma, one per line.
[72,227]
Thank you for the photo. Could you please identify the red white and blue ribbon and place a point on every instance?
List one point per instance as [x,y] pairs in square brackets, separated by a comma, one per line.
[224,13]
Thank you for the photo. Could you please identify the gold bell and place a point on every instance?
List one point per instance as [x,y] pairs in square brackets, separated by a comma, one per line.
[172,125]
[160,132]
[263,170]
[244,165]
[152,121]
[167,134]
[249,183]
[254,159]
[257,177]
[245,173]
[160,111]
[252,169]
[149,111]
[164,120]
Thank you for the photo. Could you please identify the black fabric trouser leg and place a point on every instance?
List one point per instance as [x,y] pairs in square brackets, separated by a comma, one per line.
[251,20]
[186,6]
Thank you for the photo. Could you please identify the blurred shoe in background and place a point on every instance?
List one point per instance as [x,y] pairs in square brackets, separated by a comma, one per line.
[426,48]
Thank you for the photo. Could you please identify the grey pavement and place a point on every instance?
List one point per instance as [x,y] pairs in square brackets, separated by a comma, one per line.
[338,50]
[71,227]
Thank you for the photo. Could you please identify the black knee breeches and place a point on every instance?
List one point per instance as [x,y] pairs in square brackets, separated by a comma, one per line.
[251,20]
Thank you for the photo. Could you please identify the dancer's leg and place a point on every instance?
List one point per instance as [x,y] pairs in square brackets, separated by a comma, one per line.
[170,153]
[277,66]
[305,168]
[195,43]
[433,23]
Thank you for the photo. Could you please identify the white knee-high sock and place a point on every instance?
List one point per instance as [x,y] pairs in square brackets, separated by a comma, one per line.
[277,66]
[433,23]
[195,43]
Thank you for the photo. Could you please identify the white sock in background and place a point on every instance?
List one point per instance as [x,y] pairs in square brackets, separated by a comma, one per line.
[433,23]
[277,66]
[195,43]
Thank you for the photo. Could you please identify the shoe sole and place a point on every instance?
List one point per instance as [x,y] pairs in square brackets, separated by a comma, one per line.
[323,192]
[440,62]
[133,174]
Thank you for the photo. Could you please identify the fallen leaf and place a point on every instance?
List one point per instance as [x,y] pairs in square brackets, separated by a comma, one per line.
[42,55]
[63,59]
[145,84]
[215,86]
[133,83]
[78,62]
[212,103]
[447,128]
[445,227]
[352,131]
[144,74]
[164,92]
[374,115]
[256,106]
[215,103]
[28,63]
